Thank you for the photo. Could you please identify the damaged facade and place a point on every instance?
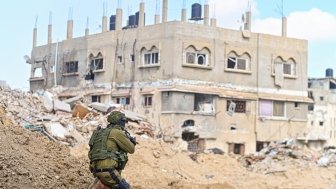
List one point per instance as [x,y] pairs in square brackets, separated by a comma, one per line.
[322,114]
[213,87]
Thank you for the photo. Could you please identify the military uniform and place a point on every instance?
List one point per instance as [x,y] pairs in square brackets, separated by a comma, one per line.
[108,153]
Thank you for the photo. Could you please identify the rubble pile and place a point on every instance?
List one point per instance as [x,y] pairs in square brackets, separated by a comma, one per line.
[70,121]
[280,157]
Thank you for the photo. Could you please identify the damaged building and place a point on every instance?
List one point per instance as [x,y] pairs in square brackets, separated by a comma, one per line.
[213,87]
[322,114]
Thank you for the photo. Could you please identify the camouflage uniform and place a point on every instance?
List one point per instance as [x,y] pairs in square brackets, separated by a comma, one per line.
[117,141]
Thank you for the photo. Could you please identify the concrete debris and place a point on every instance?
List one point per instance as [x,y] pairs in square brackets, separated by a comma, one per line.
[74,100]
[62,106]
[101,107]
[48,101]
[70,122]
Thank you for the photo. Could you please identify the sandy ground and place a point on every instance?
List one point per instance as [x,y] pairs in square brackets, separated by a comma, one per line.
[30,160]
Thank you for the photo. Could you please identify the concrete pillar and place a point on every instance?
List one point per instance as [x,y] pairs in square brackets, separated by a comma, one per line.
[206,14]
[213,22]
[284,27]
[34,37]
[87,31]
[142,14]
[118,22]
[70,29]
[164,10]
[157,19]
[184,15]
[248,21]
[104,24]
[49,34]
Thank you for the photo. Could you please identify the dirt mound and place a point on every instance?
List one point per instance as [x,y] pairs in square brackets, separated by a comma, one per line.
[30,160]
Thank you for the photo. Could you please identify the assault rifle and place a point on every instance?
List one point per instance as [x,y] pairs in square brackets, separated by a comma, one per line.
[132,139]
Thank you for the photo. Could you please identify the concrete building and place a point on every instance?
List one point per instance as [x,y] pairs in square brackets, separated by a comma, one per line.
[213,87]
[322,114]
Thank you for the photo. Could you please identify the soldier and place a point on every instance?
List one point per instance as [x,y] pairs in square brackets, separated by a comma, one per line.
[108,151]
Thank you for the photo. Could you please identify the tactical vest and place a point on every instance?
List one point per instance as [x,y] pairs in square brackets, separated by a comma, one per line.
[100,151]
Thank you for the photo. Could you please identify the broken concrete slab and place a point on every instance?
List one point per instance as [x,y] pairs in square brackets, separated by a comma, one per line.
[62,106]
[73,100]
[48,101]
[100,107]
[134,116]
[57,130]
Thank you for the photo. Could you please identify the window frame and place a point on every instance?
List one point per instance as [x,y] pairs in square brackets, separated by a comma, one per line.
[236,61]
[290,62]
[284,110]
[68,67]
[148,100]
[238,104]
[150,58]
[96,63]
[98,98]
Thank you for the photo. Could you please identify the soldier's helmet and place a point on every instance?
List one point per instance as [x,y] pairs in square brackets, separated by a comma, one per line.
[116,118]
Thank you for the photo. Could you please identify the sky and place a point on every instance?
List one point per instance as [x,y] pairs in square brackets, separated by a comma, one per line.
[312,20]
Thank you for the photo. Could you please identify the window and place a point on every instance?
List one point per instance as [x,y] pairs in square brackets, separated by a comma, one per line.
[296,104]
[96,63]
[321,123]
[197,57]
[95,98]
[119,59]
[240,106]
[71,67]
[272,108]
[204,103]
[132,58]
[150,57]
[37,72]
[237,63]
[122,100]
[321,98]
[148,100]
[288,67]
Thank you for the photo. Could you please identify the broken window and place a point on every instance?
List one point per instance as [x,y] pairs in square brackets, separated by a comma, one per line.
[240,106]
[272,108]
[236,62]
[37,72]
[122,100]
[204,103]
[261,145]
[332,85]
[188,123]
[96,63]
[197,57]
[71,67]
[236,148]
[95,98]
[150,57]
[148,100]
